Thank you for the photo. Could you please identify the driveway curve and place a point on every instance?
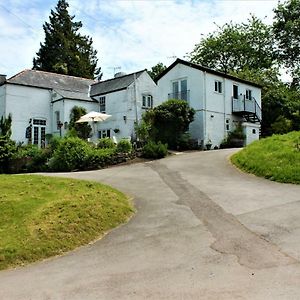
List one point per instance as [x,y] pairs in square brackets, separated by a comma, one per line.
[203,230]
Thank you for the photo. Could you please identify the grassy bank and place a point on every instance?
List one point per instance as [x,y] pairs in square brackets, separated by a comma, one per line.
[41,217]
[276,158]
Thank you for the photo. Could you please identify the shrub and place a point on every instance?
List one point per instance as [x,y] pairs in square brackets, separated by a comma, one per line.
[71,154]
[8,149]
[166,122]
[99,158]
[106,143]
[54,142]
[185,142]
[282,125]
[30,158]
[82,130]
[124,146]
[155,150]
[234,139]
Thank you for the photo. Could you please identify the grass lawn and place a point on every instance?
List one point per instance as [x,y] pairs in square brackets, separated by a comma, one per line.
[276,158]
[42,216]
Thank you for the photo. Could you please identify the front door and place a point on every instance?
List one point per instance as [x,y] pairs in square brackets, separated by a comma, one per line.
[39,132]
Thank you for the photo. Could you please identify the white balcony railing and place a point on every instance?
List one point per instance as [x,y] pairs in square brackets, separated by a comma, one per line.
[244,105]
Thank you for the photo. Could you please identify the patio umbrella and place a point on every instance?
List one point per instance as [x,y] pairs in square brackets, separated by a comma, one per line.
[93,116]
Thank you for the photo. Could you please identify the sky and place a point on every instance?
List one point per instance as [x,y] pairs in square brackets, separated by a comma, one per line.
[129,35]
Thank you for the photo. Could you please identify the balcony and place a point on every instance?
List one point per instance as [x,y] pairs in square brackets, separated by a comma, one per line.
[247,108]
[183,95]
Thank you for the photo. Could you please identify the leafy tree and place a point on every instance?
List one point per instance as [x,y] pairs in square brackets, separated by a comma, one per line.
[167,122]
[233,46]
[7,146]
[82,130]
[247,51]
[156,70]
[281,125]
[278,99]
[66,51]
[286,29]
[5,126]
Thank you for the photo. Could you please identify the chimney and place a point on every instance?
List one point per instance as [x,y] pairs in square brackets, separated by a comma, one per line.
[119,74]
[2,78]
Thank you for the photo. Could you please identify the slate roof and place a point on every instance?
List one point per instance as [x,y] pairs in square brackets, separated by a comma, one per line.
[76,95]
[204,69]
[114,84]
[69,87]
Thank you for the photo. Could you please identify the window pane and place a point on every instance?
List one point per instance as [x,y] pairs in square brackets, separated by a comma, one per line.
[220,87]
[235,92]
[43,137]
[39,122]
[183,85]
[102,104]
[35,135]
[175,87]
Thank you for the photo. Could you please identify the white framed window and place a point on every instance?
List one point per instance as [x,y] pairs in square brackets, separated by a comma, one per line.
[179,90]
[249,94]
[102,104]
[235,91]
[147,101]
[57,118]
[39,132]
[218,86]
[104,133]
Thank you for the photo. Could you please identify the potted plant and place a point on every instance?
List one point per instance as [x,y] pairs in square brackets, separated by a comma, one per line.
[208,144]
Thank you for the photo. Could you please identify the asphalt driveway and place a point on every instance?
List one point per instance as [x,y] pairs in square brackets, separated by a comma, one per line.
[203,230]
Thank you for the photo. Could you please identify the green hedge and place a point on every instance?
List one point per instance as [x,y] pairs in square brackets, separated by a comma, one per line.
[71,154]
[106,143]
[124,146]
[155,150]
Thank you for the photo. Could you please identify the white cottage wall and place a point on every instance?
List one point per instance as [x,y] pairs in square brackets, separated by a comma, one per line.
[25,103]
[116,106]
[196,92]
[251,132]
[2,100]
[194,79]
[57,106]
[67,105]
[125,106]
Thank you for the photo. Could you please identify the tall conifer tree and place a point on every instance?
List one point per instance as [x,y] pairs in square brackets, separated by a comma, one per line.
[65,50]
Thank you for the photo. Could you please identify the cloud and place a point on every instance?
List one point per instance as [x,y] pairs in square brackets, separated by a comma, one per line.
[131,34]
[21,33]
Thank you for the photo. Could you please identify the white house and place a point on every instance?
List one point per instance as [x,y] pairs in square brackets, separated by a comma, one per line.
[40,103]
[221,101]
[125,97]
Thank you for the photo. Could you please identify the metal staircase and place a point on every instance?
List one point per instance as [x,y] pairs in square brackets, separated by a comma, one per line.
[247,108]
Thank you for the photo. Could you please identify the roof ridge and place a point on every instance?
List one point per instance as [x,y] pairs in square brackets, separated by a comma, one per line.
[52,73]
[59,74]
[206,69]
[97,82]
